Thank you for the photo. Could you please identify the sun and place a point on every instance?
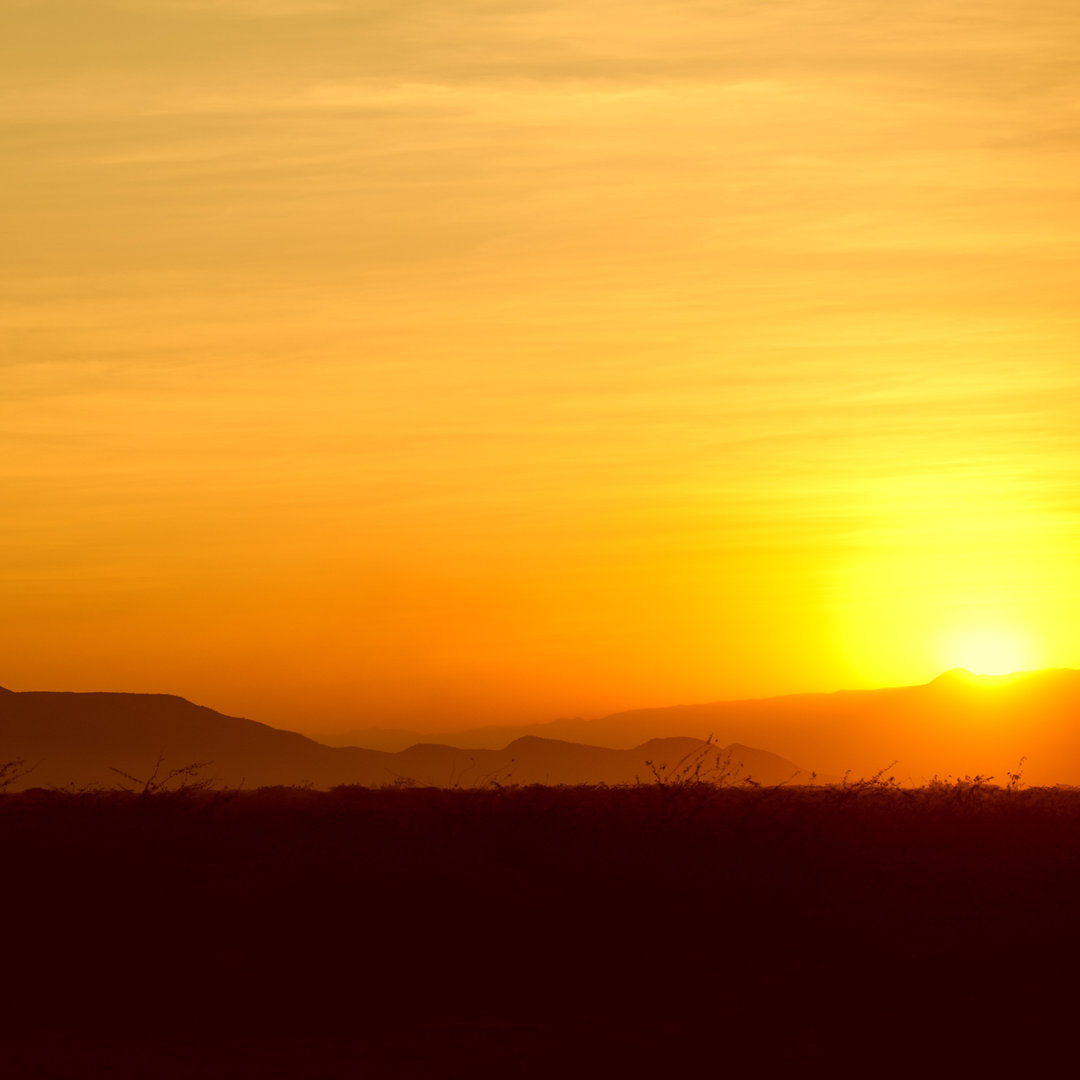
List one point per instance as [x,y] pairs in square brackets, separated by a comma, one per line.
[991,650]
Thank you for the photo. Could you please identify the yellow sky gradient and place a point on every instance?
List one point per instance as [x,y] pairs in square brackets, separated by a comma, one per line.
[451,363]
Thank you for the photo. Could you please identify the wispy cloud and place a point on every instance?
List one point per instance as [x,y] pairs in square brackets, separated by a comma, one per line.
[255,9]
[653,292]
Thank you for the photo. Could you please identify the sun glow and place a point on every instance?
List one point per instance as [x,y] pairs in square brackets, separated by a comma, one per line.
[992,650]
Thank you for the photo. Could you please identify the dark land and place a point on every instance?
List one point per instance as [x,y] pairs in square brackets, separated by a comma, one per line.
[282,908]
[674,929]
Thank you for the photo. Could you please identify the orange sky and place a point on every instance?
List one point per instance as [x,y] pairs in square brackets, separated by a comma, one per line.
[439,364]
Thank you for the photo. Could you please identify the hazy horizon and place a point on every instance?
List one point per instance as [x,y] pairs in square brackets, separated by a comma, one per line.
[959,724]
[307,723]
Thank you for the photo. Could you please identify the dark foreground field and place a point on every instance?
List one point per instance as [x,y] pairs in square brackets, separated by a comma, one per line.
[541,931]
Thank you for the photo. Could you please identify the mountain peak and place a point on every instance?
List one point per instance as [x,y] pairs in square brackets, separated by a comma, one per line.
[965,677]
[956,674]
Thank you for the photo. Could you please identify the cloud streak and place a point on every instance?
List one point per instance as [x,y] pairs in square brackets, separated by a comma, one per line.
[709,312]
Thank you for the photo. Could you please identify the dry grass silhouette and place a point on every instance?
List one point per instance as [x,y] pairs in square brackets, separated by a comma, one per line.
[513,930]
[162,781]
[13,772]
[707,765]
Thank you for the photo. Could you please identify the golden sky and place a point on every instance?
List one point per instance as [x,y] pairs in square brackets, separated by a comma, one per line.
[461,362]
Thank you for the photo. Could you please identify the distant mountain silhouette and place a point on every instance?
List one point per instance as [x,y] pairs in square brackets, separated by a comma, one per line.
[957,724]
[81,739]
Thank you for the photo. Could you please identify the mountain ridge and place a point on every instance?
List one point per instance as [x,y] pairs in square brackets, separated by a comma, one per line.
[958,723]
[68,738]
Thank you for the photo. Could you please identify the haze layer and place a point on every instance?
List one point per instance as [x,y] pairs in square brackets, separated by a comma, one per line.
[498,361]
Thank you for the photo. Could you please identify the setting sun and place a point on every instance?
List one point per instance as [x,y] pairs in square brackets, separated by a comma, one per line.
[991,650]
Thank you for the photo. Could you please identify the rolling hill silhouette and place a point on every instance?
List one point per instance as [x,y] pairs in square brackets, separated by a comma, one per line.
[957,724]
[81,739]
